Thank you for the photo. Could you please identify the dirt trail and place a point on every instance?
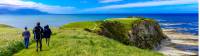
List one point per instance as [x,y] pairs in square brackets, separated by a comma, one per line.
[179,44]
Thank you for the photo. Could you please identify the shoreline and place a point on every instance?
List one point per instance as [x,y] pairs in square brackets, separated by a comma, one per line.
[180,44]
[175,31]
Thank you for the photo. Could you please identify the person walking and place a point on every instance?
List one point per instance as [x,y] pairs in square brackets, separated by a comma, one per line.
[38,33]
[47,34]
[26,34]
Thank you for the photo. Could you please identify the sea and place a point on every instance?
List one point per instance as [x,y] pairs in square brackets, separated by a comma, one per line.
[183,23]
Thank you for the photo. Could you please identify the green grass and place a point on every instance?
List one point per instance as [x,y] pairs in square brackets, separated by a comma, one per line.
[70,40]
[82,43]
[96,24]
[10,40]
[80,25]
[93,24]
[8,34]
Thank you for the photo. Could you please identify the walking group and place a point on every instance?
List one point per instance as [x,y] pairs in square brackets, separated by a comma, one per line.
[39,33]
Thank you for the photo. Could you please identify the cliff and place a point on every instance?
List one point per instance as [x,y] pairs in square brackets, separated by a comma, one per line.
[141,32]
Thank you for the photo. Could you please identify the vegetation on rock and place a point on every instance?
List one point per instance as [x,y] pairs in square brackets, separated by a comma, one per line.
[146,34]
[115,30]
[143,33]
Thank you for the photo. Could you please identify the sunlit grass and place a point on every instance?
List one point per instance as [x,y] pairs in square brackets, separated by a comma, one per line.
[82,43]
[70,40]
[10,40]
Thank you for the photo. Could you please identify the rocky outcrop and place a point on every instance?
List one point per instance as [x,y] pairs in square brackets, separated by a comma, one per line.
[142,33]
[146,34]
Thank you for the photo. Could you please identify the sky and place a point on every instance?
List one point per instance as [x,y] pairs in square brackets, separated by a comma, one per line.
[103,6]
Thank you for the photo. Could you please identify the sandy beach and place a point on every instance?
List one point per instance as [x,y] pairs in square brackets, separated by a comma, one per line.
[179,44]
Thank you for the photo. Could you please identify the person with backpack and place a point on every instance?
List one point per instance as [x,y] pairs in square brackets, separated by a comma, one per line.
[38,33]
[26,34]
[47,34]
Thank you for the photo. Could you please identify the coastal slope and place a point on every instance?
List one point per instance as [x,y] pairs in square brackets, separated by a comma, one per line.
[83,43]
[74,39]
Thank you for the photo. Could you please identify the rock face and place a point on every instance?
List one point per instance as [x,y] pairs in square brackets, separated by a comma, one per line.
[142,33]
[146,34]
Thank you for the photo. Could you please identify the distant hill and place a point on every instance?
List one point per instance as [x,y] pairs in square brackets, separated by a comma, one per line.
[24,11]
[6,26]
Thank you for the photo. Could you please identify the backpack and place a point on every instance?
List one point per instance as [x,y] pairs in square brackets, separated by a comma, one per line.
[38,29]
[38,32]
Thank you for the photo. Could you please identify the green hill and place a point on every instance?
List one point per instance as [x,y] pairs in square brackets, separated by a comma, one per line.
[5,26]
[72,40]
[82,43]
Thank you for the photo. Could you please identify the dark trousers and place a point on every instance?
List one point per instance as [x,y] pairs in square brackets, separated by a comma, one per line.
[39,42]
[47,41]
[26,42]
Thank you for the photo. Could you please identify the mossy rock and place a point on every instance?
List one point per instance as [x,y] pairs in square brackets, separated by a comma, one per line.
[143,33]
[146,34]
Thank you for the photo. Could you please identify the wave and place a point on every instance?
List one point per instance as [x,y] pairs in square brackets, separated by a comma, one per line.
[172,24]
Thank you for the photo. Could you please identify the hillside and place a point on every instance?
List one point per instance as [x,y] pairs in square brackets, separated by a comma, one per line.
[82,43]
[10,40]
[72,40]
[141,32]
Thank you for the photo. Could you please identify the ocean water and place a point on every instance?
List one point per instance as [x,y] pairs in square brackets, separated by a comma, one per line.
[183,23]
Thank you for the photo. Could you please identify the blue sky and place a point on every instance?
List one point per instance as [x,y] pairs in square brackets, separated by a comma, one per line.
[104,6]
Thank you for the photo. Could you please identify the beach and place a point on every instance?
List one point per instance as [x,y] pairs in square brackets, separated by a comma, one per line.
[179,44]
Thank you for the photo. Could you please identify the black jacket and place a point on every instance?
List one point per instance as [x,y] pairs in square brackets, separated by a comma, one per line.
[38,32]
[47,32]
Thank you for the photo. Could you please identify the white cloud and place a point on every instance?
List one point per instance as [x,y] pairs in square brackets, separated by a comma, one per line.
[143,4]
[39,6]
[108,1]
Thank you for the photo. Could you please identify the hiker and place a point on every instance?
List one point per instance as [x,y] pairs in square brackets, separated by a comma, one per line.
[38,32]
[26,35]
[47,34]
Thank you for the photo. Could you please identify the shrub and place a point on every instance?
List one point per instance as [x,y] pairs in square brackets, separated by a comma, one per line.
[11,48]
[115,30]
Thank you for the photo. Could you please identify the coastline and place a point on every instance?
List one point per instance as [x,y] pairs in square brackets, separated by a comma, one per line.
[179,44]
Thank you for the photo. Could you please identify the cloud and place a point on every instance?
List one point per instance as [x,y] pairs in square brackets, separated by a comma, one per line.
[18,4]
[143,4]
[55,9]
[108,1]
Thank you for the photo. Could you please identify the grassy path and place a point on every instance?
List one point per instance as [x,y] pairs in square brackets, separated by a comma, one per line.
[81,43]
